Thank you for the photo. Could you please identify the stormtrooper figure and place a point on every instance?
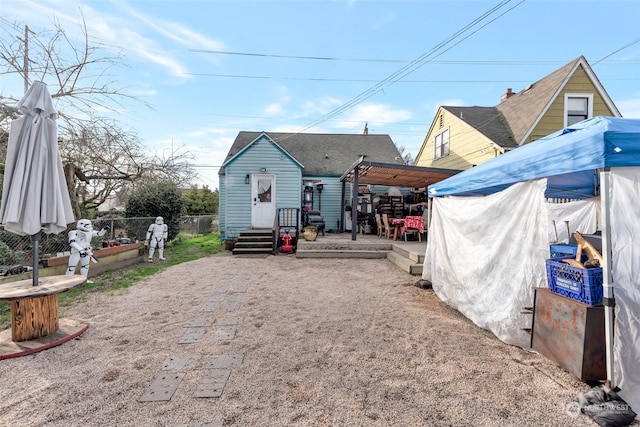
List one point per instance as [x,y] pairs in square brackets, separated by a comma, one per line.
[156,237]
[80,242]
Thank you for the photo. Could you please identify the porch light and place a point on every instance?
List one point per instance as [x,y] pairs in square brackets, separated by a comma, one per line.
[246,179]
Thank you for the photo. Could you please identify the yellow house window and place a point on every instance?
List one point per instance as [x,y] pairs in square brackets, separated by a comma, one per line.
[577,107]
[441,144]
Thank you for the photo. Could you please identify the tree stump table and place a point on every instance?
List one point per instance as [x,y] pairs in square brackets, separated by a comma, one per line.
[35,324]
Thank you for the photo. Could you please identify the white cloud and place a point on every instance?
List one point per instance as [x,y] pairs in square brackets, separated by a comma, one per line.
[286,129]
[377,115]
[320,106]
[206,132]
[274,109]
[629,108]
[173,30]
[125,31]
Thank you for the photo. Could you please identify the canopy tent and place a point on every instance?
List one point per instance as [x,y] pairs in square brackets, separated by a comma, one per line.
[597,160]
[569,159]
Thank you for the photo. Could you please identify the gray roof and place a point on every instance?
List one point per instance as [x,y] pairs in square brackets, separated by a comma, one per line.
[487,120]
[509,123]
[326,153]
[523,109]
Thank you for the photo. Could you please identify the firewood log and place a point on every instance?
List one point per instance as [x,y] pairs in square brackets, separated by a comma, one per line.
[588,248]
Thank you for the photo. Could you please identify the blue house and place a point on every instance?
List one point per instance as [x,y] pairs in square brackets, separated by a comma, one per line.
[265,172]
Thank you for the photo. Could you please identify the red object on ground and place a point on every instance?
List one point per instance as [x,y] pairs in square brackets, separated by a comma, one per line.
[286,243]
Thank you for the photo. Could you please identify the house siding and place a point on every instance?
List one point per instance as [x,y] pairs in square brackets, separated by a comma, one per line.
[262,154]
[222,198]
[467,147]
[327,202]
[553,119]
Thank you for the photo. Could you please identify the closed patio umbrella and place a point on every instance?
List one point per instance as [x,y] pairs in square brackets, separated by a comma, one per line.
[34,194]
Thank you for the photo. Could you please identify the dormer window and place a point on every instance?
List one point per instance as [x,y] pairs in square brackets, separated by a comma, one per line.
[441,144]
[577,107]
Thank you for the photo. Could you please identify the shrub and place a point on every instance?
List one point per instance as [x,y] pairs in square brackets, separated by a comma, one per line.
[155,199]
[9,257]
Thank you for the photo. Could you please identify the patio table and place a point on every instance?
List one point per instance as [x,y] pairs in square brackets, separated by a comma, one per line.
[397,224]
[34,314]
[413,222]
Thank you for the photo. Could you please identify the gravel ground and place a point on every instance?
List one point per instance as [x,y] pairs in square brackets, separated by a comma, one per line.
[310,342]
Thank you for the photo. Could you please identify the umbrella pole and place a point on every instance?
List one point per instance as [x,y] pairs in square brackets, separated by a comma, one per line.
[36,255]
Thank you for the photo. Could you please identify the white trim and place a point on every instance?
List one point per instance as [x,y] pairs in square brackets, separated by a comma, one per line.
[568,95]
[446,130]
[594,79]
[246,147]
[426,141]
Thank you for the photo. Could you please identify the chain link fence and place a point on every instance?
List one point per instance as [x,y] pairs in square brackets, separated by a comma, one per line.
[17,251]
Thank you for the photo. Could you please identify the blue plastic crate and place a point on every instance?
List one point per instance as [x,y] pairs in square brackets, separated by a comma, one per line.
[580,284]
[560,250]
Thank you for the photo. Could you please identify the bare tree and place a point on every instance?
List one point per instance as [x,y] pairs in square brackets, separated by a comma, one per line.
[103,160]
[101,157]
[407,158]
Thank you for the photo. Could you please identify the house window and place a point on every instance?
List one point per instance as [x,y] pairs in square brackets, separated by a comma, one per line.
[264,190]
[441,145]
[577,107]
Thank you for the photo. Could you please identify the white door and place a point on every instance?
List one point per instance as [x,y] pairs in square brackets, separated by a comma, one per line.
[263,201]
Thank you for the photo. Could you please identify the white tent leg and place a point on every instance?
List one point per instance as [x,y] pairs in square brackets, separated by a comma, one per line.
[607,280]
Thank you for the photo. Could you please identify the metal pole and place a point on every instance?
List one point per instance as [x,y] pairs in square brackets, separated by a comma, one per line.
[607,281]
[354,204]
[35,239]
[342,207]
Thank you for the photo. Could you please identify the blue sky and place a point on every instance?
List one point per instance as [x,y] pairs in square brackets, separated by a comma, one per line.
[211,69]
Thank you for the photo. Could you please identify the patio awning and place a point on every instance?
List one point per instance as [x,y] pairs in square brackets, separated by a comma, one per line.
[395,175]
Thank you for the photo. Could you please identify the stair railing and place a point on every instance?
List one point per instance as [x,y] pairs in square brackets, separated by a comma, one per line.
[285,218]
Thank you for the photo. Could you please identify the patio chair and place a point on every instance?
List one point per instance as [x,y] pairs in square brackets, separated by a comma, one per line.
[412,231]
[413,225]
[387,228]
[380,225]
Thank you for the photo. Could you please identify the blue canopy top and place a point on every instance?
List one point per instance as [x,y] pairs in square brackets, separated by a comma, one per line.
[569,158]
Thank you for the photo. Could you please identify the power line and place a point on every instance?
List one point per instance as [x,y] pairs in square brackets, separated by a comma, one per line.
[617,50]
[318,79]
[317,58]
[417,63]
[384,60]
[341,121]
[238,76]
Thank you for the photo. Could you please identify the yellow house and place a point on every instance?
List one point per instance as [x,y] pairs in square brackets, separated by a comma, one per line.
[462,137]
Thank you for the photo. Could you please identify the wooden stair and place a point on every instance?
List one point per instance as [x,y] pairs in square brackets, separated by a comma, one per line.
[254,241]
[408,260]
[405,257]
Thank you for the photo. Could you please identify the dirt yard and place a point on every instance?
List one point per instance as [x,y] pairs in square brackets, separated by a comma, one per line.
[280,341]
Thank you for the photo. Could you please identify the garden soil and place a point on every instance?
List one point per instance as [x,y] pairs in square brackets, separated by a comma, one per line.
[280,341]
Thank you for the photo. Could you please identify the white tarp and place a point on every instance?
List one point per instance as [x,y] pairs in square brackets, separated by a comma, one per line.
[486,254]
[625,248]
[582,215]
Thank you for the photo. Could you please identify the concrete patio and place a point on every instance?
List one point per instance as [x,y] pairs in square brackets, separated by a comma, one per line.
[408,255]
